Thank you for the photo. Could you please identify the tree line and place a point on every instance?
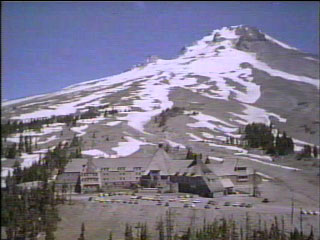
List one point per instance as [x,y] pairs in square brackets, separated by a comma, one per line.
[219,229]
[27,212]
[259,135]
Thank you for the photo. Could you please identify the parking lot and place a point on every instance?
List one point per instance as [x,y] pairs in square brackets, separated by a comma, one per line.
[225,203]
[166,200]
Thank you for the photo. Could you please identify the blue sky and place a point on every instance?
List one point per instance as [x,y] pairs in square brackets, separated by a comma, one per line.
[50,45]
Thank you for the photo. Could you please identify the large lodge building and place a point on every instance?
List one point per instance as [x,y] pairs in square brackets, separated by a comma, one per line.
[158,171]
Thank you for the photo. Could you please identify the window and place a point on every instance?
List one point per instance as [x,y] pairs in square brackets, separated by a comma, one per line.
[242,178]
[240,168]
[105,169]
[121,168]
[137,168]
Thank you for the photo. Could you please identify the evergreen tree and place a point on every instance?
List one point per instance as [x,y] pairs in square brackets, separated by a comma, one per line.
[21,148]
[78,186]
[315,151]
[110,236]
[12,151]
[128,232]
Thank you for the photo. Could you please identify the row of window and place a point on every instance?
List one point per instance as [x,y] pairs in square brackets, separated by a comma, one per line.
[90,180]
[90,174]
[122,168]
[122,173]
[121,178]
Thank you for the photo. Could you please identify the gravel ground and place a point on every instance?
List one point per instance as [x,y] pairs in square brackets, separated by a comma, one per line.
[100,217]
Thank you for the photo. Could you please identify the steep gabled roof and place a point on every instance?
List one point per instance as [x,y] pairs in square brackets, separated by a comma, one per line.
[197,167]
[90,166]
[159,162]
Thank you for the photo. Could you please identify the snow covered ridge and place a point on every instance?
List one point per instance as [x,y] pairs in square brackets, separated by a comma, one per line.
[217,61]
[279,43]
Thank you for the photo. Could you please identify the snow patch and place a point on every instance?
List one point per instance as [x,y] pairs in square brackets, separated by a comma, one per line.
[216,159]
[96,153]
[5,171]
[114,123]
[79,130]
[48,140]
[127,148]
[255,114]
[175,144]
[279,43]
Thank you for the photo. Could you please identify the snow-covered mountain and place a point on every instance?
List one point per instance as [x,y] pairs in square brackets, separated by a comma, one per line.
[233,76]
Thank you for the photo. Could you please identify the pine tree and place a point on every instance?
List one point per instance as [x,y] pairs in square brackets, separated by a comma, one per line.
[311,236]
[49,234]
[110,236]
[12,151]
[21,148]
[78,186]
[160,228]
[128,232]
[315,151]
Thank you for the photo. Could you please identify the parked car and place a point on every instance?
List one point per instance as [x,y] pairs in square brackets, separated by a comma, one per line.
[227,204]
[186,205]
[159,203]
[192,205]
[243,205]
[248,205]
[304,212]
[207,206]
[196,201]
[172,200]
[236,204]
[265,200]
[211,202]
[135,202]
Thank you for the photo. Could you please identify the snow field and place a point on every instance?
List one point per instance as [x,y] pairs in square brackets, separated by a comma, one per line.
[79,130]
[113,123]
[254,114]
[45,130]
[91,120]
[205,121]
[217,159]
[5,171]
[127,148]
[95,153]
[175,144]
